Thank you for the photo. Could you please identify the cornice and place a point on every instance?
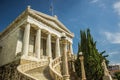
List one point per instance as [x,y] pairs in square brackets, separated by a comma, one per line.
[40,17]
[12,25]
[51,18]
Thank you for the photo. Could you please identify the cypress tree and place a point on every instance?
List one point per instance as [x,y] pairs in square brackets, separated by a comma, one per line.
[92,58]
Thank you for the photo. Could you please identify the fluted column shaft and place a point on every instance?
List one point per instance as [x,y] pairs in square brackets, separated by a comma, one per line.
[26,40]
[65,61]
[48,50]
[57,50]
[38,43]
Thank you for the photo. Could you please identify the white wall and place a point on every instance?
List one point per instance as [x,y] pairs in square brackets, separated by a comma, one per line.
[8,44]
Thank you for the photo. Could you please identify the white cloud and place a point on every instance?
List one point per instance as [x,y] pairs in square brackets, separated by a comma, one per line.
[94,1]
[99,3]
[116,6]
[113,37]
[113,53]
[119,25]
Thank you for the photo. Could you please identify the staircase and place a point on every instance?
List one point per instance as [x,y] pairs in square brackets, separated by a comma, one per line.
[41,73]
[34,71]
[44,71]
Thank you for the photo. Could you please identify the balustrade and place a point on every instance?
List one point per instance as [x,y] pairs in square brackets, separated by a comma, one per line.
[29,66]
[55,64]
[55,75]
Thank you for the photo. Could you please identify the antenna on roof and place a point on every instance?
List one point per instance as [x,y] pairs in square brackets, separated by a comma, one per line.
[52,7]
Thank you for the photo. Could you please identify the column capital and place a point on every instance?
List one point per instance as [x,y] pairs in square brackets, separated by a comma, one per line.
[48,32]
[37,28]
[64,41]
[57,37]
[27,23]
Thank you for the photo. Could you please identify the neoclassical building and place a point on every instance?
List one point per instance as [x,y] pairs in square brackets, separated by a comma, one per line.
[34,37]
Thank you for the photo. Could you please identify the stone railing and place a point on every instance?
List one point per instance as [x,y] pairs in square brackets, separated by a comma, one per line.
[29,66]
[72,57]
[53,72]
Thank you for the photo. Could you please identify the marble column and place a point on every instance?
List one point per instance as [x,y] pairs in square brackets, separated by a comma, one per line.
[65,61]
[71,49]
[57,50]
[38,43]
[48,46]
[26,40]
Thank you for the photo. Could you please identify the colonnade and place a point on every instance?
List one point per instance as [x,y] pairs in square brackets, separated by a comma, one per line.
[26,37]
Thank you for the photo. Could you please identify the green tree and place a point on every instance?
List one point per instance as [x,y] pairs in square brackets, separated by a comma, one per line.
[117,75]
[92,58]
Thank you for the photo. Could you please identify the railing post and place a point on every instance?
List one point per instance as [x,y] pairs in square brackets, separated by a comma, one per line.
[49,60]
[82,66]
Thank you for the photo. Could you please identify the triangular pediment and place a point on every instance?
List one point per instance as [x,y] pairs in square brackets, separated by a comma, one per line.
[51,20]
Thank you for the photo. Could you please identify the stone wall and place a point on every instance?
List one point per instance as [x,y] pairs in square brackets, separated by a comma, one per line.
[8,47]
[10,72]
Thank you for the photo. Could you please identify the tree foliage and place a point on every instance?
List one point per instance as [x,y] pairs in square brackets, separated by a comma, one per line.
[92,58]
[117,75]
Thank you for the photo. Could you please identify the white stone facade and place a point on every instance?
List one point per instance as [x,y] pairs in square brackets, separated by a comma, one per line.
[33,35]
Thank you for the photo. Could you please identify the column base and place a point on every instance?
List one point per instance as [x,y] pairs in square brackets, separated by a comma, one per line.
[66,77]
[23,56]
[30,58]
[50,59]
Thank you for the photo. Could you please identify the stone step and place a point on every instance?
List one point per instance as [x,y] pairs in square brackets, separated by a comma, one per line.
[41,73]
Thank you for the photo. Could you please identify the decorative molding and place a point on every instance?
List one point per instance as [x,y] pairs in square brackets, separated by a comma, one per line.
[51,18]
[40,17]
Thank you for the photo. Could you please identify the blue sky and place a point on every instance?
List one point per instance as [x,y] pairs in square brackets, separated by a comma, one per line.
[101,16]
